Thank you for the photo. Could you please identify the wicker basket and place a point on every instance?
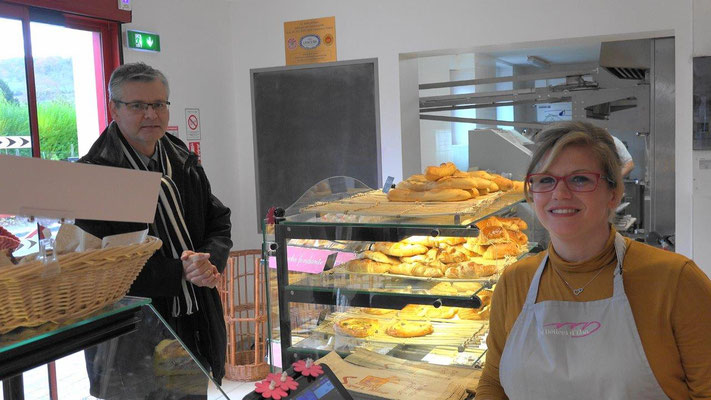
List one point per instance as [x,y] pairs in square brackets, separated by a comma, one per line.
[242,293]
[86,282]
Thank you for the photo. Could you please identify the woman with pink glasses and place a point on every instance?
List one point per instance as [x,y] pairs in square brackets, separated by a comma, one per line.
[597,316]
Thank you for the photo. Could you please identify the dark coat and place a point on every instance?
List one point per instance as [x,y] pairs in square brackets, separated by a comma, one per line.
[208,222]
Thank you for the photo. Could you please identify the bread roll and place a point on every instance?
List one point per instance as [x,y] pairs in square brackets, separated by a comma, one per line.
[450,240]
[501,250]
[493,187]
[380,257]
[433,173]
[367,266]
[399,249]
[517,187]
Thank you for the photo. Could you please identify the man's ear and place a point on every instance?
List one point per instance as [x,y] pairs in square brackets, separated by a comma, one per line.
[113,109]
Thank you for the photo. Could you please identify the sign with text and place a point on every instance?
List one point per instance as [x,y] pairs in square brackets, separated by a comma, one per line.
[145,41]
[311,261]
[192,123]
[310,41]
[195,148]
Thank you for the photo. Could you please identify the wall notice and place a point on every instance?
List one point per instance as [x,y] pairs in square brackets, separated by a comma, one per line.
[310,41]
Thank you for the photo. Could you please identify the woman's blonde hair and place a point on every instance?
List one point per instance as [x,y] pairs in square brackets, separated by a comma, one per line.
[555,138]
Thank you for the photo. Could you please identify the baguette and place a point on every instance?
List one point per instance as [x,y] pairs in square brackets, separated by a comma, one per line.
[481,174]
[406,195]
[451,182]
[433,173]
[504,183]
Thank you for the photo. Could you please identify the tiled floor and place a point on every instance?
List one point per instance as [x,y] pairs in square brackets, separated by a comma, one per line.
[234,390]
[72,382]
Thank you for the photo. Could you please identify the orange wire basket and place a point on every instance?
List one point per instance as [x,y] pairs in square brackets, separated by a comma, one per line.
[242,292]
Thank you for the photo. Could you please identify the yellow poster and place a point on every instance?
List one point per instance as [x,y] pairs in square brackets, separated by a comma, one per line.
[310,41]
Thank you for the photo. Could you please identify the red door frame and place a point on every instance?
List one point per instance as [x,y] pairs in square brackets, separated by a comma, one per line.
[107,56]
[23,14]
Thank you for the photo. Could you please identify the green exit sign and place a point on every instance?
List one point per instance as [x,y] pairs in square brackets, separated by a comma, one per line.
[143,40]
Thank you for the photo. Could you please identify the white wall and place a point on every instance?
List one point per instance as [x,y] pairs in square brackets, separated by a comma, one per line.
[196,56]
[385,29]
[204,76]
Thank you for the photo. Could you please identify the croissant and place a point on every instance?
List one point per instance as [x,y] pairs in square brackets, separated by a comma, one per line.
[380,257]
[399,249]
[366,265]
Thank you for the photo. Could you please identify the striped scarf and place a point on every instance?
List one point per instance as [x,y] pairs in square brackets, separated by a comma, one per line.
[169,224]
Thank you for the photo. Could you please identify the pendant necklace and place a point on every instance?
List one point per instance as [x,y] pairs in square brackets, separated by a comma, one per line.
[580,289]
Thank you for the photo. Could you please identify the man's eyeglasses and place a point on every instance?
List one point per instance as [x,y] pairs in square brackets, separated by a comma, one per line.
[141,107]
[576,182]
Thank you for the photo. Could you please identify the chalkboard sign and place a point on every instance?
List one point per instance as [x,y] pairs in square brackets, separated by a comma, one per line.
[312,122]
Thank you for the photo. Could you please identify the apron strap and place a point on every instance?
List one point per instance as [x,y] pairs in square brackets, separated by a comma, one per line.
[618,287]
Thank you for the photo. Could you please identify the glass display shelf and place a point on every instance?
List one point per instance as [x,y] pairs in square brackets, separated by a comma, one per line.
[124,351]
[342,200]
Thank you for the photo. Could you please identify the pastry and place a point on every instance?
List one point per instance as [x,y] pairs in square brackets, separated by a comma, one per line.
[416,269]
[493,234]
[422,311]
[469,270]
[405,329]
[427,241]
[433,173]
[502,250]
[356,327]
[474,313]
[366,265]
[380,257]
[378,311]
[399,249]
[513,221]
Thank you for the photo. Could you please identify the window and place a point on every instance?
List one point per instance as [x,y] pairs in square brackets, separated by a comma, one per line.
[54,68]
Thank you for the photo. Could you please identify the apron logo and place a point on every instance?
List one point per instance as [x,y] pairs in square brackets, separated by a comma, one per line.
[572,329]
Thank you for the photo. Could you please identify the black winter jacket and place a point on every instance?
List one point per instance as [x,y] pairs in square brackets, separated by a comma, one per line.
[208,222]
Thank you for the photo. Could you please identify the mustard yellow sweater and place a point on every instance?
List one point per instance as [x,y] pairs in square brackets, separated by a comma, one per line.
[670,299]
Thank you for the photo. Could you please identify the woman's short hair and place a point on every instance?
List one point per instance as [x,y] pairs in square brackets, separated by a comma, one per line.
[134,72]
[552,140]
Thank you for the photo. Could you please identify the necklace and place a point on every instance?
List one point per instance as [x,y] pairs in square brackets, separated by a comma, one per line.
[580,289]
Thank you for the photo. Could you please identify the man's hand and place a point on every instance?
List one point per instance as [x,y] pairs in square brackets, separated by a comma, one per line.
[198,269]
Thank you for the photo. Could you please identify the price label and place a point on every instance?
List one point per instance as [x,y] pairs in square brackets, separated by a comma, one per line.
[388,184]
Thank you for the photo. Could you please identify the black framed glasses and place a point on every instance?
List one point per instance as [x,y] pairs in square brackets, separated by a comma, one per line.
[575,182]
[141,107]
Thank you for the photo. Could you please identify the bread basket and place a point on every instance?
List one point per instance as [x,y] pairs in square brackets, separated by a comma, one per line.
[84,282]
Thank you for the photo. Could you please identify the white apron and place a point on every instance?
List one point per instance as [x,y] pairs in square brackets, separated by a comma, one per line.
[577,350]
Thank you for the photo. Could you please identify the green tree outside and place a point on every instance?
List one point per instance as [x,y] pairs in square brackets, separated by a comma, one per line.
[57,127]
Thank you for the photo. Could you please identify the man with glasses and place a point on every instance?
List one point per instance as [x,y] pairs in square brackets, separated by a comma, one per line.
[193,224]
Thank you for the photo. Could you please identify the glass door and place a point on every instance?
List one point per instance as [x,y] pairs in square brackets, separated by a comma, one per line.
[54,69]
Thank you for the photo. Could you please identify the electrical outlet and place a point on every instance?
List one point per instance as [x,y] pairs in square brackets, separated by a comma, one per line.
[124,5]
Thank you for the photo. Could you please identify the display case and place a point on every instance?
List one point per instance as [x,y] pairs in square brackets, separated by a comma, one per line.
[124,351]
[325,302]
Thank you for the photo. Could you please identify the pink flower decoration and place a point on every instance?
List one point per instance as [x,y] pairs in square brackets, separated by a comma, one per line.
[269,389]
[284,381]
[308,368]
